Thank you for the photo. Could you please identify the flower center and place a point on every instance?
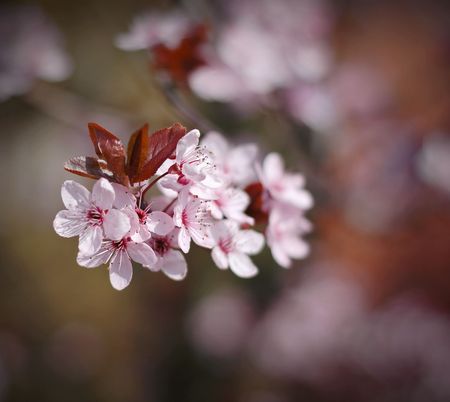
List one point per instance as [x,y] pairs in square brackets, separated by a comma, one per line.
[95,216]
[161,245]
[226,244]
[184,218]
[120,245]
[142,215]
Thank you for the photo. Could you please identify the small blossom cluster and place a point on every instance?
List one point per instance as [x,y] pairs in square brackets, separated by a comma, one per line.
[206,196]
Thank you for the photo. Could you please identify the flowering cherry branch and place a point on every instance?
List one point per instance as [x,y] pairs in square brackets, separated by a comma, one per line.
[211,193]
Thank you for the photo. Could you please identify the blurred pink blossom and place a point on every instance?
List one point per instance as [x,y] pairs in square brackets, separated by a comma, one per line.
[31,48]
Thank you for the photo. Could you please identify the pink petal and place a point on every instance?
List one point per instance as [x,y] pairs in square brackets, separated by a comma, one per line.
[103,194]
[120,271]
[280,256]
[69,223]
[91,240]
[116,224]
[174,265]
[202,236]
[249,242]
[74,195]
[219,258]
[184,240]
[242,265]
[273,167]
[160,223]
[123,197]
[187,144]
[142,253]
[92,261]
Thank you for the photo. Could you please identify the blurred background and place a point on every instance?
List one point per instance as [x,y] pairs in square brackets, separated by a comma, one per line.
[354,94]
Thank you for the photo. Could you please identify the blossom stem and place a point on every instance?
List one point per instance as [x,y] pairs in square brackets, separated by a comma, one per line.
[169,205]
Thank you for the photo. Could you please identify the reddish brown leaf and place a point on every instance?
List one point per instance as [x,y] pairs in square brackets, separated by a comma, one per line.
[180,61]
[257,208]
[109,148]
[138,148]
[162,145]
[88,167]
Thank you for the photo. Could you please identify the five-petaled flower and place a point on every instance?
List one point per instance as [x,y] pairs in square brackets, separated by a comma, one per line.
[90,216]
[232,248]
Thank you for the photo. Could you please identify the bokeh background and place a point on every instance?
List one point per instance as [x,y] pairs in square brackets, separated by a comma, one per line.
[364,318]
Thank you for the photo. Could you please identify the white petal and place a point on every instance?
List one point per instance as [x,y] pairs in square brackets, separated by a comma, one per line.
[141,235]
[280,256]
[142,253]
[299,198]
[69,223]
[219,258]
[91,261]
[202,236]
[187,144]
[173,264]
[249,241]
[273,167]
[120,271]
[74,195]
[123,197]
[116,224]
[91,240]
[216,212]
[295,247]
[242,265]
[103,194]
[184,240]
[160,223]
[193,172]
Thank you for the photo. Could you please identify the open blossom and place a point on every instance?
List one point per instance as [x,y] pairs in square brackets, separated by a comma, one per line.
[192,217]
[169,260]
[90,216]
[286,226]
[231,203]
[119,254]
[282,186]
[232,248]
[144,220]
[192,167]
[234,164]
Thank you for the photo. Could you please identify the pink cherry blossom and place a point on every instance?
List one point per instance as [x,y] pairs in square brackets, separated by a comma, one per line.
[282,186]
[193,167]
[144,221]
[232,248]
[233,163]
[286,226]
[231,203]
[119,254]
[169,260]
[90,216]
[31,47]
[191,215]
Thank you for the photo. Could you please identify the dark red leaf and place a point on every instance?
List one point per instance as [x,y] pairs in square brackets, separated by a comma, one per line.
[162,145]
[258,203]
[88,167]
[138,148]
[109,148]
[180,61]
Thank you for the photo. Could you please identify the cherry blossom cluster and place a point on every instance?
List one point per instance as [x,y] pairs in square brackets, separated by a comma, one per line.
[202,191]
